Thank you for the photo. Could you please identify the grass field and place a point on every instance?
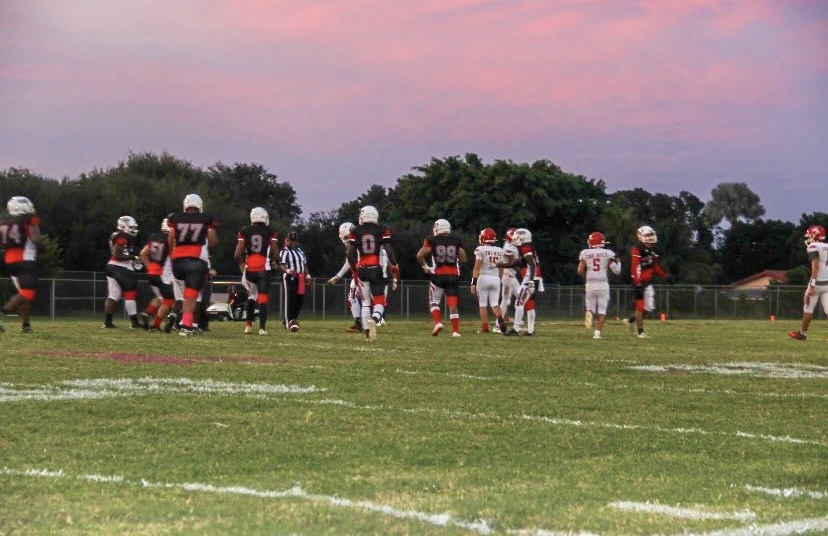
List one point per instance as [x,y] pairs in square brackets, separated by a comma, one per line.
[707,428]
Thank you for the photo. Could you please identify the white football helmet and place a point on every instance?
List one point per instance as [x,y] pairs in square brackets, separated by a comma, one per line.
[521,236]
[441,227]
[165,225]
[128,225]
[259,215]
[20,205]
[344,231]
[646,235]
[193,201]
[368,214]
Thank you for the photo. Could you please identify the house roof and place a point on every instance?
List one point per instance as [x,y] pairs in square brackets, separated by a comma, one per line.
[776,275]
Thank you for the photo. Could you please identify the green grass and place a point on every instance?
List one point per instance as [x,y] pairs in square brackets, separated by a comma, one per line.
[413,434]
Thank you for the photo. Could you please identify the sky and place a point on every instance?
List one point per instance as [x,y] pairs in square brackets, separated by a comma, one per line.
[334,96]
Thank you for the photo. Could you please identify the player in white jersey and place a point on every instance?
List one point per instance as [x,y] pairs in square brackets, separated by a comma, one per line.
[817,291]
[485,283]
[593,263]
[354,294]
[510,284]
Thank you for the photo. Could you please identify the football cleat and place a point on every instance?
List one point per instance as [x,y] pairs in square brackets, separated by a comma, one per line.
[512,333]
[596,335]
[293,326]
[372,330]
[588,319]
[169,324]
[109,325]
[143,318]
[382,322]
[26,329]
[354,329]
[438,327]
[248,330]
[262,331]
[186,332]
[643,335]
[455,334]
[797,335]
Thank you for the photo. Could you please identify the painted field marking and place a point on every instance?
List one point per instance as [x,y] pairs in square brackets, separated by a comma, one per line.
[441,520]
[480,526]
[106,387]
[766,370]
[698,514]
[788,493]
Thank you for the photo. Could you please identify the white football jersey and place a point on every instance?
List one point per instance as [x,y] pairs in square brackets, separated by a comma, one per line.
[597,261]
[819,250]
[510,254]
[489,256]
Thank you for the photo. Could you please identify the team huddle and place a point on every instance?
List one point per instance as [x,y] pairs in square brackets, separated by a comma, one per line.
[178,266]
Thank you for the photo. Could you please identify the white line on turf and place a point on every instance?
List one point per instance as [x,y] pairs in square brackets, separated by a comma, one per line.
[788,493]
[107,387]
[765,370]
[481,526]
[681,513]
[784,528]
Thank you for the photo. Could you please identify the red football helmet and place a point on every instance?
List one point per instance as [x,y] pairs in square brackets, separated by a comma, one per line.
[488,236]
[595,240]
[509,234]
[815,233]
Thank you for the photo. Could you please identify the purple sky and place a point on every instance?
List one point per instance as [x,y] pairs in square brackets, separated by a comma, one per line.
[333,96]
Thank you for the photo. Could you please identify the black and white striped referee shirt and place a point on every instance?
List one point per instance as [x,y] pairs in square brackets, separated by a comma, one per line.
[293,259]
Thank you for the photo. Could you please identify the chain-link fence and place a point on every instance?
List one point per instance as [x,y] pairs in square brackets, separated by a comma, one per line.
[84,293]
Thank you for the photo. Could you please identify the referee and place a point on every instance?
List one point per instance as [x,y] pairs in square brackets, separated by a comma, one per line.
[296,279]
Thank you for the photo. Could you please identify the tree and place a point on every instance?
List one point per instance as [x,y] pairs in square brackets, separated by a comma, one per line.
[749,248]
[734,202]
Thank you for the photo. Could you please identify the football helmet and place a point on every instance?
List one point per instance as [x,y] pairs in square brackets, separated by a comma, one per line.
[510,232]
[441,227]
[20,205]
[596,240]
[368,214]
[488,236]
[521,236]
[815,233]
[345,230]
[128,225]
[646,235]
[259,215]
[193,201]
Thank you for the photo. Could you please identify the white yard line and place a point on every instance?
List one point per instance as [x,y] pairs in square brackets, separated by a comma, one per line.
[481,526]
[788,493]
[680,512]
[784,528]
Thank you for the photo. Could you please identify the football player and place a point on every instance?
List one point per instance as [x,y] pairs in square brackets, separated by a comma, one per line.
[121,279]
[257,250]
[364,244]
[192,232]
[19,238]
[447,254]
[155,256]
[509,284]
[644,265]
[593,263]
[817,290]
[485,283]
[354,293]
[530,282]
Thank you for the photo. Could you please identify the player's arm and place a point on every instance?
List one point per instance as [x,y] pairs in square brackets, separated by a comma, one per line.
[615,265]
[212,238]
[814,271]
[119,251]
[581,268]
[475,274]
[144,255]
[352,255]
[239,255]
[422,255]
[635,266]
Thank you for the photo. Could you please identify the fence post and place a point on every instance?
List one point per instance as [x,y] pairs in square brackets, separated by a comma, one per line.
[52,299]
